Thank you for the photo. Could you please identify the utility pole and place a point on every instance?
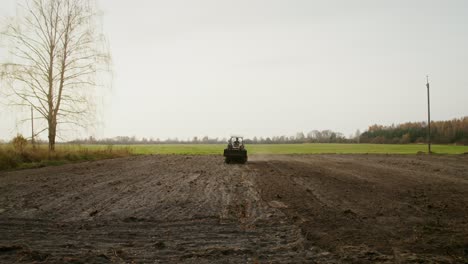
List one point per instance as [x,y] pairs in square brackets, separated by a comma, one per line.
[428,116]
[32,127]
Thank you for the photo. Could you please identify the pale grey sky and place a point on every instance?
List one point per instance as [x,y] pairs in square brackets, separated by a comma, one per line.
[264,67]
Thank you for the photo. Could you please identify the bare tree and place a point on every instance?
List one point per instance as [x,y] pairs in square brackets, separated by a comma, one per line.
[300,136]
[57,53]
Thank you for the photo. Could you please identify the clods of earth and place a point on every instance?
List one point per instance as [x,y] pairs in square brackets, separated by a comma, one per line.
[274,209]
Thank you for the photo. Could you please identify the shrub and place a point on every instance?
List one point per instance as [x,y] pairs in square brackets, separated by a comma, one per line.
[8,159]
[19,143]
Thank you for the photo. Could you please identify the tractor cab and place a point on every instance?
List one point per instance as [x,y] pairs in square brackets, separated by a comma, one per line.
[236,143]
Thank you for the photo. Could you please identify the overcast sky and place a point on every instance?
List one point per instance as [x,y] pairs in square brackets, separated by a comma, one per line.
[264,68]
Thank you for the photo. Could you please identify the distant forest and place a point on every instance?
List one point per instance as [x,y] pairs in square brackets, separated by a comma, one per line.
[442,132]
[315,136]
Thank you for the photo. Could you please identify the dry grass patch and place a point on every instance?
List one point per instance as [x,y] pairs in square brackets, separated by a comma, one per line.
[12,157]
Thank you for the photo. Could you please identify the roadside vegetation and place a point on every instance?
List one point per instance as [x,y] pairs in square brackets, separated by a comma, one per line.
[20,154]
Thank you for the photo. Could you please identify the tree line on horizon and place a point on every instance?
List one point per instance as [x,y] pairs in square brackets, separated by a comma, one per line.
[314,136]
[453,131]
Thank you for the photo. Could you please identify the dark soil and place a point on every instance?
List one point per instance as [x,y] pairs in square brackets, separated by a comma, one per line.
[280,209]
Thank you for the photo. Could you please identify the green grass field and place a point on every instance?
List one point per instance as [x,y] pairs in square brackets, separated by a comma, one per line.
[207,149]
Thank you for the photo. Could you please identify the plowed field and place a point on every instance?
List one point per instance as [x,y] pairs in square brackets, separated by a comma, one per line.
[276,208]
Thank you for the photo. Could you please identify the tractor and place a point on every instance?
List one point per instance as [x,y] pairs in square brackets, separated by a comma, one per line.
[235,151]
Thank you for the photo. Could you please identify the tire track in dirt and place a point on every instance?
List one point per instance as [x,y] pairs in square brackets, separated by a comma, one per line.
[153,209]
[279,209]
[369,209]
[191,241]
